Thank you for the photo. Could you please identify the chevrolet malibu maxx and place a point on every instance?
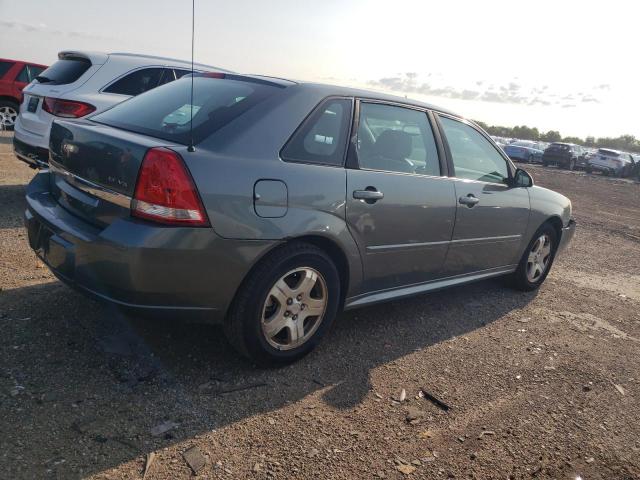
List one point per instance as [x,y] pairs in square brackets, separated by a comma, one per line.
[268,205]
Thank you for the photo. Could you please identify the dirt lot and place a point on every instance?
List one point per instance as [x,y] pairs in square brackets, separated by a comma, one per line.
[543,385]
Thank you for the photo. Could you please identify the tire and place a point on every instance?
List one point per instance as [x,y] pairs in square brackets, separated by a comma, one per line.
[588,170]
[520,279]
[8,114]
[530,159]
[545,164]
[572,164]
[246,325]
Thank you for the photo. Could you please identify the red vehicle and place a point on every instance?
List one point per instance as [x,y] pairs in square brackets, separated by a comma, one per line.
[14,76]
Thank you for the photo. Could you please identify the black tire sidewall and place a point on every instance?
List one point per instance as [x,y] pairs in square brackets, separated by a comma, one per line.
[521,272]
[257,345]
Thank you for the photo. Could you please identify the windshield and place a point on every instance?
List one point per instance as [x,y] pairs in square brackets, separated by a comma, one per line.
[165,112]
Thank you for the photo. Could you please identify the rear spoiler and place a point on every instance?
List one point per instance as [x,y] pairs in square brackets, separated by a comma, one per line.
[95,58]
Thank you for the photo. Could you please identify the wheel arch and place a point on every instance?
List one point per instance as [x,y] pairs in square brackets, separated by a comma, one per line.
[335,252]
[7,98]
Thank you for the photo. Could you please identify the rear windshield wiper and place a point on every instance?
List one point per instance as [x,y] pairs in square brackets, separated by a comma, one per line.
[42,79]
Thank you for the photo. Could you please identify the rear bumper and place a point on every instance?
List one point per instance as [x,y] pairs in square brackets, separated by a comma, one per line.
[555,159]
[137,265]
[605,168]
[36,157]
[568,233]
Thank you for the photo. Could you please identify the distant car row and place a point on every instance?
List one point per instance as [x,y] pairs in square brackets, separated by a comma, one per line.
[570,157]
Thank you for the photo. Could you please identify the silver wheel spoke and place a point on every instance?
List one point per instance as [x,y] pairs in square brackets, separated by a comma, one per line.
[273,327]
[296,332]
[307,282]
[314,307]
[282,292]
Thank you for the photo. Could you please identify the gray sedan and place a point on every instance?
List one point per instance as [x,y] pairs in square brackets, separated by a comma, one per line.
[269,205]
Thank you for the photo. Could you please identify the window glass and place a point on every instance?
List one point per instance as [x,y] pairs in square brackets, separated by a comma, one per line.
[64,71]
[323,136]
[180,73]
[165,112]
[396,139]
[474,158]
[136,82]
[24,76]
[166,77]
[4,67]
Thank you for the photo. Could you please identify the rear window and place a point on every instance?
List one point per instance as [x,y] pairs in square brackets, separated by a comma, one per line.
[64,71]
[137,82]
[165,112]
[608,153]
[4,68]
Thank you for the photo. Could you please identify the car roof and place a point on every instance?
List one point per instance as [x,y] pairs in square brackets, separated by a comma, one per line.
[99,58]
[337,90]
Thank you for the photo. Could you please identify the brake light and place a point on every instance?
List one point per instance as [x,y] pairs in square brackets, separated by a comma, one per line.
[66,108]
[165,191]
[213,75]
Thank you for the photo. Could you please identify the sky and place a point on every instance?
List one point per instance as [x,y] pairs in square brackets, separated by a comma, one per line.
[557,65]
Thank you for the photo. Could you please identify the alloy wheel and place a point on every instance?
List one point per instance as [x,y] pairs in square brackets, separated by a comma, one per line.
[539,258]
[294,308]
[8,116]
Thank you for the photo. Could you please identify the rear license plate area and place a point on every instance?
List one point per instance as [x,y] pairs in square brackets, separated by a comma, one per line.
[32,106]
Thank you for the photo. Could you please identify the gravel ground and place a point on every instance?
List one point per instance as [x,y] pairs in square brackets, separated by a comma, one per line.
[543,385]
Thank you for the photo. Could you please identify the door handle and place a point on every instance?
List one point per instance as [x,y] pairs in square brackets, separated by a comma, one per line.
[370,195]
[470,200]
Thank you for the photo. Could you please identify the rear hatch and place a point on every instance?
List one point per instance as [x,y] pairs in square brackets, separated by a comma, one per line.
[94,168]
[70,72]
[558,151]
[95,162]
[607,158]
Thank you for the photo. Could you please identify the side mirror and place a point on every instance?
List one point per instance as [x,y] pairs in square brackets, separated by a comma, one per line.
[522,179]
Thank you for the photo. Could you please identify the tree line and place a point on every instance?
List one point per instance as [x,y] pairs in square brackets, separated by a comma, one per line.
[626,143]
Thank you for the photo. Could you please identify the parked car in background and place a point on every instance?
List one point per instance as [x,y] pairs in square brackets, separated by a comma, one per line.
[524,151]
[564,155]
[80,83]
[14,76]
[612,162]
[279,216]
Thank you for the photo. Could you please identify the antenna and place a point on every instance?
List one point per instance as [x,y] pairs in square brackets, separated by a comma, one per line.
[191,148]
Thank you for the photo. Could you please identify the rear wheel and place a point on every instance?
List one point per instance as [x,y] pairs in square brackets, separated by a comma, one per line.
[572,164]
[286,305]
[8,114]
[537,259]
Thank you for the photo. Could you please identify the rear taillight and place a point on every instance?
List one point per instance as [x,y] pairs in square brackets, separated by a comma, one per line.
[165,191]
[66,108]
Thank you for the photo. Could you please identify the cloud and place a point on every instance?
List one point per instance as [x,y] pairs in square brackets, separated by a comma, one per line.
[511,92]
[41,27]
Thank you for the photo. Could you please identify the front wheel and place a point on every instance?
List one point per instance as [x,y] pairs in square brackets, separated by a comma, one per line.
[286,305]
[536,260]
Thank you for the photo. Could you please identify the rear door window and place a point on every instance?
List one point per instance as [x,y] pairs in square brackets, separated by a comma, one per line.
[4,68]
[136,82]
[64,71]
[165,112]
[180,73]
[322,138]
[396,139]
[28,73]
[473,156]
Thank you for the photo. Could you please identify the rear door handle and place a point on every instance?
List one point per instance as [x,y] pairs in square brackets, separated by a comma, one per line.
[470,200]
[370,195]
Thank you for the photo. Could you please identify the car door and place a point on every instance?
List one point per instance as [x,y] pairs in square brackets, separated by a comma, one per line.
[492,216]
[400,203]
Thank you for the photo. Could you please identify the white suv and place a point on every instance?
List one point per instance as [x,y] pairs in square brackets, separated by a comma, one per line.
[80,83]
